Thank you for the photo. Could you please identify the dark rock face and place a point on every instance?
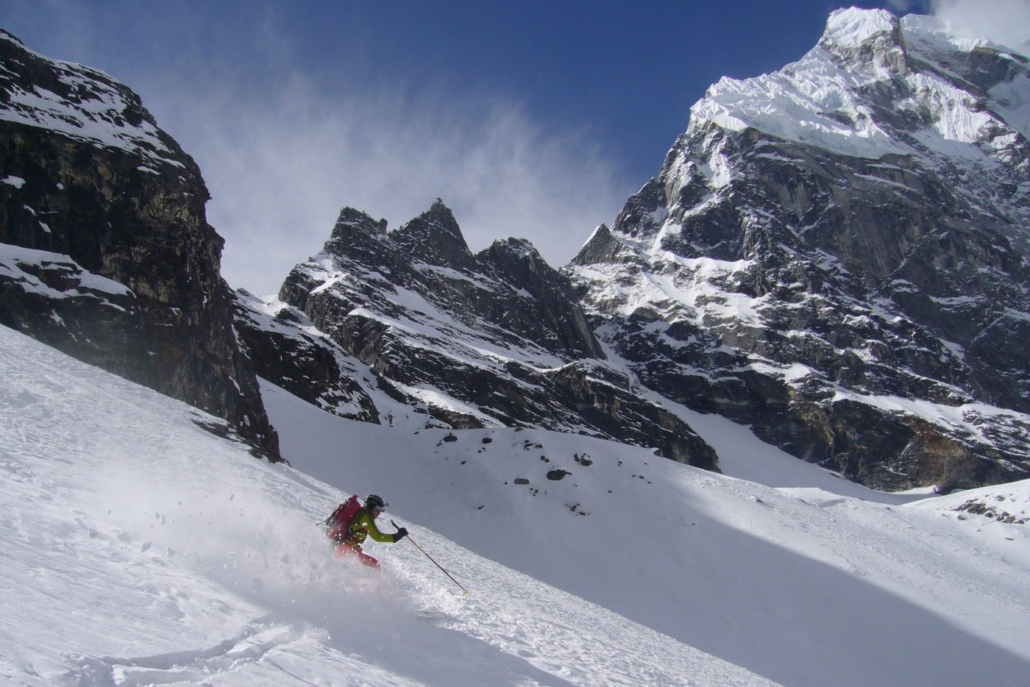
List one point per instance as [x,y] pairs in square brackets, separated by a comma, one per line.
[495,338]
[857,306]
[836,254]
[429,256]
[286,352]
[105,252]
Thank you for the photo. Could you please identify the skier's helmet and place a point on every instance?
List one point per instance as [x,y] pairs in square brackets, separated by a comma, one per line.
[373,501]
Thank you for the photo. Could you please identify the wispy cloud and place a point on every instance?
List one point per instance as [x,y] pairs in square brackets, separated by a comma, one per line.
[281,162]
[1006,22]
[283,144]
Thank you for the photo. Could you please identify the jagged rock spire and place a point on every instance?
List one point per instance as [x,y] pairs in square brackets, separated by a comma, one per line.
[357,235]
[435,238]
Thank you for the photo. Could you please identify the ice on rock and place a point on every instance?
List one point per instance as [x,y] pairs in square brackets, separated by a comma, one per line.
[850,28]
[823,99]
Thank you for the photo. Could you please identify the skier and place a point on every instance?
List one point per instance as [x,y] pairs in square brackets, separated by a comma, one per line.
[362,525]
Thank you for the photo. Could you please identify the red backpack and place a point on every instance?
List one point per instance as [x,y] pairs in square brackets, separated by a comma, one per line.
[336,524]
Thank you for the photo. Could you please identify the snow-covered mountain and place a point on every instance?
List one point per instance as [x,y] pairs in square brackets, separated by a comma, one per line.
[138,547]
[105,251]
[834,254]
[838,254]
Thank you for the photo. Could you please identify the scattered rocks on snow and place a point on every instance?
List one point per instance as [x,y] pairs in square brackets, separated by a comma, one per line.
[991,511]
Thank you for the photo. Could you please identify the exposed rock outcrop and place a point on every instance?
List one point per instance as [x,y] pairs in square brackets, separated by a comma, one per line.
[494,338]
[287,350]
[105,252]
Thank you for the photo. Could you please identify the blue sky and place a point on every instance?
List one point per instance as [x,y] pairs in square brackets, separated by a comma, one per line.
[534,119]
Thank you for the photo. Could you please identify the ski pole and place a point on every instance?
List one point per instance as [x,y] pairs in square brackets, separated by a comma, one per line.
[464,592]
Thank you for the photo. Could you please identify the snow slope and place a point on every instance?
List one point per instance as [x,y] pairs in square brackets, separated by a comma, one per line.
[797,583]
[138,547]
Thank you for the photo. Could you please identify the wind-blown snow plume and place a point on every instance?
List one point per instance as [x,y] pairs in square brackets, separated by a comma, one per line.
[280,171]
[1002,21]
[284,145]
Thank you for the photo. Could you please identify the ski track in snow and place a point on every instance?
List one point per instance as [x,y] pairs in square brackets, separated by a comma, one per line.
[138,549]
[808,580]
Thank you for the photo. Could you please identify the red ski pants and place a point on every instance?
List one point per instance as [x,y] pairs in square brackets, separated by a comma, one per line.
[345,550]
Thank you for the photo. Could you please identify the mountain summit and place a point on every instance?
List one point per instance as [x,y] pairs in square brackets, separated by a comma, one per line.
[837,254]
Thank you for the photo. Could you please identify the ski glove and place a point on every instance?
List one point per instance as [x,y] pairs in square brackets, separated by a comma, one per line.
[400,534]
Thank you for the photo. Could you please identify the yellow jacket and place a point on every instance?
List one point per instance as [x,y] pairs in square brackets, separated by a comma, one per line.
[362,525]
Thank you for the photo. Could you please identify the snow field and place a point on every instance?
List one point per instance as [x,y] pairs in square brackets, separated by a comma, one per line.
[810,580]
[138,548]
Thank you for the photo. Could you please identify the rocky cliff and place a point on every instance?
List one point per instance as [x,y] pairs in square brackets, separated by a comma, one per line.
[470,340]
[838,254]
[105,252]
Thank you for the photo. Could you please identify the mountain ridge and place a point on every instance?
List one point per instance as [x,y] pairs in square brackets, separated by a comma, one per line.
[835,254]
[490,339]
